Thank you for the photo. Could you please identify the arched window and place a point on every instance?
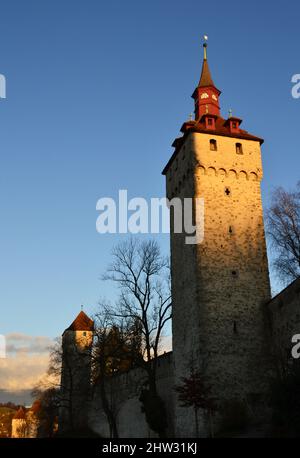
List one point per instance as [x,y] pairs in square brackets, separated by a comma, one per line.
[213,145]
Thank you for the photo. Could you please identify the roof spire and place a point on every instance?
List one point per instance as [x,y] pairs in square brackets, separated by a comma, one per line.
[206,95]
[205,79]
[205,47]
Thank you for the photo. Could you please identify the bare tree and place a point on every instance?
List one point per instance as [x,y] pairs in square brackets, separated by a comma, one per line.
[47,414]
[142,275]
[114,352]
[283,228]
[63,371]
[53,382]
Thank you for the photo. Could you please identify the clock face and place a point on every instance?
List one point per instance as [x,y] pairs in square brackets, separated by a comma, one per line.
[215,97]
[204,96]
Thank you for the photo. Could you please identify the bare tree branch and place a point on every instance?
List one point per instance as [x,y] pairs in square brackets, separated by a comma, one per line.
[283,229]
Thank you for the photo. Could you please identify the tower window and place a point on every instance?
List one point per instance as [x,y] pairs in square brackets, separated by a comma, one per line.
[234,273]
[239,148]
[84,333]
[210,122]
[227,192]
[213,145]
[235,327]
[230,230]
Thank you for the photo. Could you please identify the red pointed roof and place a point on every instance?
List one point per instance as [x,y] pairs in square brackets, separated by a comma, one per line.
[207,105]
[81,323]
[205,79]
[206,93]
[20,414]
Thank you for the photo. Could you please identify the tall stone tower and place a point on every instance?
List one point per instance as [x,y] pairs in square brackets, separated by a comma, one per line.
[77,342]
[219,286]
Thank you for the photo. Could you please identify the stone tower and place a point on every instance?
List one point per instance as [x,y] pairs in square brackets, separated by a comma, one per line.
[77,342]
[19,424]
[219,286]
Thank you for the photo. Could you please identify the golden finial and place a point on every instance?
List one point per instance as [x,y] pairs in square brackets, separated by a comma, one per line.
[205,46]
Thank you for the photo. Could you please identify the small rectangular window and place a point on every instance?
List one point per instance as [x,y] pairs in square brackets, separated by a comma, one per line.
[239,148]
[213,145]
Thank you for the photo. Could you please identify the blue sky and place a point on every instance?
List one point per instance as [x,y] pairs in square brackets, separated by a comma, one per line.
[96,93]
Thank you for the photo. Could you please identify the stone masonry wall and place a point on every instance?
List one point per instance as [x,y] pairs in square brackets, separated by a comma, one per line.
[220,286]
[284,312]
[124,394]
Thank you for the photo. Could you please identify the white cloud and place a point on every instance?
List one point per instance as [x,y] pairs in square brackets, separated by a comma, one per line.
[22,372]
[24,343]
[26,361]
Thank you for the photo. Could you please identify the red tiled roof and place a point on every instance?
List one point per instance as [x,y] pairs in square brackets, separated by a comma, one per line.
[222,128]
[81,323]
[20,414]
[205,79]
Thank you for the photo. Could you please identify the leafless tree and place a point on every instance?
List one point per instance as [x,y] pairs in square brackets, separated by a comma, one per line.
[49,399]
[114,352]
[283,229]
[142,275]
[66,385]
[53,382]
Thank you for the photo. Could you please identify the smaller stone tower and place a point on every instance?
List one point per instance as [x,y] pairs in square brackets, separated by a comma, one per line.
[77,342]
[19,424]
